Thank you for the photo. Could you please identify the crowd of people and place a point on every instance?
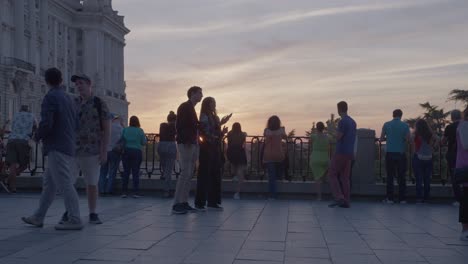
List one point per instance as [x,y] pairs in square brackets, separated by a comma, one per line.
[80,135]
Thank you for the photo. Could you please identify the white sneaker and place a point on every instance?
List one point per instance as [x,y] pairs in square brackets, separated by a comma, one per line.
[236,196]
[387,201]
[464,236]
[456,204]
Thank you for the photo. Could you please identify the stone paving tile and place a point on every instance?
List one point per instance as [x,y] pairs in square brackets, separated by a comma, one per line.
[247,232]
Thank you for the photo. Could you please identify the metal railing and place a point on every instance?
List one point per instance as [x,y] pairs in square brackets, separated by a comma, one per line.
[19,63]
[440,171]
[296,164]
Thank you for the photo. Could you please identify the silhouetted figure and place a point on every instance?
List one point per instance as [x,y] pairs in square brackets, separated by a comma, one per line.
[167,150]
[237,156]
[211,157]
[274,152]
[187,141]
[340,167]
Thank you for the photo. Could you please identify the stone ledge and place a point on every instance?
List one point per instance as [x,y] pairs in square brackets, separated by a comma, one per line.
[255,187]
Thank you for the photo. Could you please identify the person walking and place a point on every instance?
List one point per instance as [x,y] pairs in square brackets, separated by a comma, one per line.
[92,140]
[340,167]
[274,153]
[114,155]
[236,155]
[134,139]
[319,157]
[423,148]
[450,138]
[18,149]
[187,143]
[167,150]
[397,135]
[57,131]
[462,164]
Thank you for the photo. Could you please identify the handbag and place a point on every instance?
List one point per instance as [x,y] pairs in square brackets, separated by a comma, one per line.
[460,175]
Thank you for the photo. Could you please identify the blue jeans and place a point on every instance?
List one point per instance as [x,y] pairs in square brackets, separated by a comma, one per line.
[274,172]
[108,172]
[131,161]
[167,151]
[396,166]
[422,173]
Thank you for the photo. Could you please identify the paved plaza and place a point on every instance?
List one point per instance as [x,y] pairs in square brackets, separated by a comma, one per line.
[246,232]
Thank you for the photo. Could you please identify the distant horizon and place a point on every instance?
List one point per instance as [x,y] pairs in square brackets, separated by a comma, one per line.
[295,59]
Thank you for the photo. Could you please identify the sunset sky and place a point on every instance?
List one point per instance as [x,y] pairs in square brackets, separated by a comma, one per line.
[295,59]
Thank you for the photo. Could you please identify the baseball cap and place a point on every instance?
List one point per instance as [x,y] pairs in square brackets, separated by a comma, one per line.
[77,77]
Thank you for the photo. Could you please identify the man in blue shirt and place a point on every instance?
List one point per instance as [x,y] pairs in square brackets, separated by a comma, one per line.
[397,135]
[340,168]
[57,131]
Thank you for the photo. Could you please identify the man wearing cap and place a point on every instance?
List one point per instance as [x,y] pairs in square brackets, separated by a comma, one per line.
[92,139]
[114,154]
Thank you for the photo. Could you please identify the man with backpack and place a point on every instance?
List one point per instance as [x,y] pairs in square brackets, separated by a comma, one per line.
[92,140]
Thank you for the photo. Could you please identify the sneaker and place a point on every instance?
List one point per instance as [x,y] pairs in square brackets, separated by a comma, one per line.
[179,209]
[32,220]
[94,219]
[403,202]
[136,196]
[124,196]
[387,201]
[456,204]
[69,225]
[344,205]
[200,208]
[336,204]
[189,208]
[64,218]
[236,196]
[464,235]
[215,208]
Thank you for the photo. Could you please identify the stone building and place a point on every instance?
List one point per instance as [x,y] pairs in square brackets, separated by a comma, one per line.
[75,36]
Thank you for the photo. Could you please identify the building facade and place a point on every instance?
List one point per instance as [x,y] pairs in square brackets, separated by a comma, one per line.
[75,36]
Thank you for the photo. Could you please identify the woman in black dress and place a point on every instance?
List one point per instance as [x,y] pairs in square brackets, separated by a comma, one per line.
[236,155]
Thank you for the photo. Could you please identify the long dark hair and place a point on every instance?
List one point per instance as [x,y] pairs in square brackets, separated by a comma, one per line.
[134,121]
[205,107]
[423,130]
[320,126]
[274,123]
[236,128]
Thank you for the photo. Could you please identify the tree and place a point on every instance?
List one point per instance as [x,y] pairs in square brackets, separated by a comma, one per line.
[459,95]
[292,133]
[435,116]
[412,121]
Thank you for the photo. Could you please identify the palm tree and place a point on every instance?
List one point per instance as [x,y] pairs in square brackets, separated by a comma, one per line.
[435,116]
[459,95]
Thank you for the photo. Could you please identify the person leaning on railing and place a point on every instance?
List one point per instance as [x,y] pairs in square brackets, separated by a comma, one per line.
[167,151]
[423,148]
[134,138]
[274,152]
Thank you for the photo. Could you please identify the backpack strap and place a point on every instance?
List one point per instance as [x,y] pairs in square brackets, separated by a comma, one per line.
[98,106]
